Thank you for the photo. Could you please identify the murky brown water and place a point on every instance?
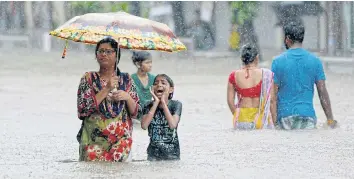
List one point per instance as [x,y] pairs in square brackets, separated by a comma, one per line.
[39,125]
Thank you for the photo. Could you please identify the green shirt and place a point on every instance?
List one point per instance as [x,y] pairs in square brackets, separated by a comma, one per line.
[143,91]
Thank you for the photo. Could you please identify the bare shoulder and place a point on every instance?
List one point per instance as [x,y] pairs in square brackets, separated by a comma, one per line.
[257,73]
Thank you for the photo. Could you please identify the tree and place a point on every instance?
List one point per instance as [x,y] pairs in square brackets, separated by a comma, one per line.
[83,7]
[178,17]
[243,14]
[135,8]
[293,11]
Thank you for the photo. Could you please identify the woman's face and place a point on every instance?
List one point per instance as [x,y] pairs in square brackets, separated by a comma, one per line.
[106,56]
[146,65]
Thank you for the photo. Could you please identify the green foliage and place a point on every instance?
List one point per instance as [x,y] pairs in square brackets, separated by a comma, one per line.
[120,6]
[83,7]
[145,11]
[243,11]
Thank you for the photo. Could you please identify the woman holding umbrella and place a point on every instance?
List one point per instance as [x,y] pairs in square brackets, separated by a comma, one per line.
[107,110]
[106,102]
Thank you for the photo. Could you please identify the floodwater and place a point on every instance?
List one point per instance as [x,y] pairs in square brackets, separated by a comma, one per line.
[39,126]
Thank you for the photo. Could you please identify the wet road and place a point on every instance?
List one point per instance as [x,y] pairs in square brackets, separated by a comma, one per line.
[39,124]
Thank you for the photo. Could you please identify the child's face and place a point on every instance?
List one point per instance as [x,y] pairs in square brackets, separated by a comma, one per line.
[161,86]
[146,65]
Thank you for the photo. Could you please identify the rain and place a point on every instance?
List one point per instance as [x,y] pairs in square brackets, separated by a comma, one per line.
[38,90]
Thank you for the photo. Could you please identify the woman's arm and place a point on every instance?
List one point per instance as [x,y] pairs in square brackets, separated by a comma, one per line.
[87,99]
[273,102]
[100,96]
[231,97]
[132,106]
[148,115]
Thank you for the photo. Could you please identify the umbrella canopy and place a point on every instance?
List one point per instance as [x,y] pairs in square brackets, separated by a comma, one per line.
[131,32]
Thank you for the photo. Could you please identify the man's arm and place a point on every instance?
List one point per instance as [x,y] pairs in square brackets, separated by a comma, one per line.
[320,79]
[324,98]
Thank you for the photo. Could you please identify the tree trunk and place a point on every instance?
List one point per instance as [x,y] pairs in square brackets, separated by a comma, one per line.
[334,27]
[29,17]
[2,15]
[338,25]
[135,8]
[59,10]
[178,18]
[248,35]
[8,18]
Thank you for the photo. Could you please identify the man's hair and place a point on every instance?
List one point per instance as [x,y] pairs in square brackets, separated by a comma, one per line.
[295,31]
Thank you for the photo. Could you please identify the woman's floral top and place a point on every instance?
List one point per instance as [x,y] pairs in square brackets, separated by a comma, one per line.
[106,133]
[164,144]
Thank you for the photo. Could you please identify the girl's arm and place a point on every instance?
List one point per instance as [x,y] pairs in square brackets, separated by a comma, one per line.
[231,97]
[147,118]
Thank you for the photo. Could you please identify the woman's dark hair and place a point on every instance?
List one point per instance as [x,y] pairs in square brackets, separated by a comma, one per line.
[114,45]
[140,56]
[169,80]
[248,53]
[295,31]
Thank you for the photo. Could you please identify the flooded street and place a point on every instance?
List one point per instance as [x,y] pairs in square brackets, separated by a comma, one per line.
[39,125]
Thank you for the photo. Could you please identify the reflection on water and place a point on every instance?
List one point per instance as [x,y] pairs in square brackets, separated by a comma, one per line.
[39,125]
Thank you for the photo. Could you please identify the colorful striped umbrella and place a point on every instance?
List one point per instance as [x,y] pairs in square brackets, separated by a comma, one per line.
[131,32]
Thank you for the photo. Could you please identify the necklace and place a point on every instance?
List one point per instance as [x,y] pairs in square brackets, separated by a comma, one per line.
[248,68]
[103,81]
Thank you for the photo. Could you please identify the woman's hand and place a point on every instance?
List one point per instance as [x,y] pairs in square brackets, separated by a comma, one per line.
[120,95]
[112,83]
[156,99]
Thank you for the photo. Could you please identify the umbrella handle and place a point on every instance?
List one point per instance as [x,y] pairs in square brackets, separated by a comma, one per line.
[116,69]
[115,88]
[65,48]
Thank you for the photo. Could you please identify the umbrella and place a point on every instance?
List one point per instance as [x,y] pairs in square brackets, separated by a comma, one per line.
[131,32]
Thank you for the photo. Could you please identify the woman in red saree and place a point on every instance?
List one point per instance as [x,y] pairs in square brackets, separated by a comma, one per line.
[106,103]
[253,87]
